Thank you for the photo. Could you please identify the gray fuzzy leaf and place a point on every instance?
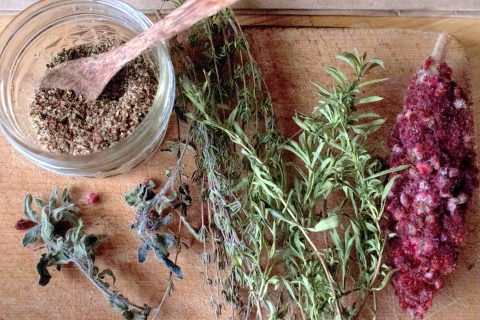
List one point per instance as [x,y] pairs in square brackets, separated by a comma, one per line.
[53,200]
[39,203]
[47,227]
[66,196]
[33,234]
[143,252]
[169,264]
[27,209]
[139,315]
[117,303]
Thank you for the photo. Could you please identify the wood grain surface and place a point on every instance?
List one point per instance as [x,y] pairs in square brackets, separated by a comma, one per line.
[289,58]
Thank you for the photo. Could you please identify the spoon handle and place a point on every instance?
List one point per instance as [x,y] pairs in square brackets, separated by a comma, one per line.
[177,21]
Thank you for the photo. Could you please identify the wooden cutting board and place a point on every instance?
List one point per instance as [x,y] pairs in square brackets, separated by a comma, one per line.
[290,58]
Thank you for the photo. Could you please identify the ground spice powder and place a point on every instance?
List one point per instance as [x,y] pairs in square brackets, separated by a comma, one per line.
[67,124]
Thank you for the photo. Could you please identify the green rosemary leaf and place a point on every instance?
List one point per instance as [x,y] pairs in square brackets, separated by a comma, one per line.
[388,171]
[386,279]
[352,60]
[325,224]
[388,187]
[281,217]
[372,64]
[369,99]
[264,212]
[373,81]
[360,116]
[337,74]
[324,92]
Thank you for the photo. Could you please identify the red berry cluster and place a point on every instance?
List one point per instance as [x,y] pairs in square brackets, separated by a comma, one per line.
[427,205]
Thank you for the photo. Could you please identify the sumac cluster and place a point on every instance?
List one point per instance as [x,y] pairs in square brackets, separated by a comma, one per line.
[427,205]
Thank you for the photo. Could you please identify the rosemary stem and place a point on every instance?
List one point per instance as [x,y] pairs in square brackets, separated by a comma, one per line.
[320,257]
[364,299]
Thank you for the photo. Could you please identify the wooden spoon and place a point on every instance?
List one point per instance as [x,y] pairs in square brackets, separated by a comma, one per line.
[89,76]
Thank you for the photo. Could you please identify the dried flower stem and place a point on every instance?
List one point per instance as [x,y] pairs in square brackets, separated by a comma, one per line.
[65,241]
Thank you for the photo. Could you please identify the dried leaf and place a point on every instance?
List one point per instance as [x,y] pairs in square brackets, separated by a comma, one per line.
[42,270]
[107,272]
[143,252]
[28,211]
[33,235]
[169,264]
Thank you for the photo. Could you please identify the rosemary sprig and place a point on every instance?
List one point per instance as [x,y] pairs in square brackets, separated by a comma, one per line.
[65,241]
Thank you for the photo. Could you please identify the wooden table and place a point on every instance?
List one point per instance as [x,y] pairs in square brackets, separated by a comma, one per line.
[70,296]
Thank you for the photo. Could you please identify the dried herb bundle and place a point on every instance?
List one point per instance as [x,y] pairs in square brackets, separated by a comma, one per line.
[288,238]
[65,241]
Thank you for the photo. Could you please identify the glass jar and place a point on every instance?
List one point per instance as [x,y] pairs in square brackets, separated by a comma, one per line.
[35,36]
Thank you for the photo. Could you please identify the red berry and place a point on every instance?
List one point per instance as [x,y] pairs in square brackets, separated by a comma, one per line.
[92,198]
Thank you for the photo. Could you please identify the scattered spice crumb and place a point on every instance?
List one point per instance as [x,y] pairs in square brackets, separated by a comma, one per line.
[67,124]
[92,198]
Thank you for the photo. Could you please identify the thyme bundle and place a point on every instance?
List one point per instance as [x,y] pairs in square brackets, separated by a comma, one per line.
[301,237]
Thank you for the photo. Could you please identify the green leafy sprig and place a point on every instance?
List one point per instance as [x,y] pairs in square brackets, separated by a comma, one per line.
[65,241]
